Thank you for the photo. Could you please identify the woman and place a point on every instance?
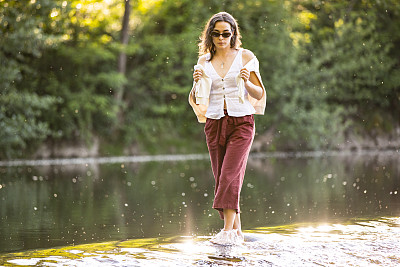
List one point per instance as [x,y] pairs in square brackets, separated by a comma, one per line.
[227,91]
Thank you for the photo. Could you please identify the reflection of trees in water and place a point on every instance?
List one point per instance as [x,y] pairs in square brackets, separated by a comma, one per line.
[59,205]
[320,188]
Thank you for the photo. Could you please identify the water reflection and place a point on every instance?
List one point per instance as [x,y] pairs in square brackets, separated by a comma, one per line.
[323,189]
[51,206]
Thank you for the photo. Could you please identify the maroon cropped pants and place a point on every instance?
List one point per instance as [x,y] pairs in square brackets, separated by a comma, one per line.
[229,140]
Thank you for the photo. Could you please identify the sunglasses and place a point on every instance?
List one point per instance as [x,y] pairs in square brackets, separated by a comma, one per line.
[224,34]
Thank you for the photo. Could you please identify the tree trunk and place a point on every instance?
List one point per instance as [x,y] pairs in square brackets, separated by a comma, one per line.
[124,41]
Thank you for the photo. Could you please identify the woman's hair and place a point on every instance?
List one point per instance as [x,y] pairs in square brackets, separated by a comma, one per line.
[206,44]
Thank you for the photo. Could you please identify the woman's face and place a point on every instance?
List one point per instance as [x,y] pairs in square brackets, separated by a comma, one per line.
[219,40]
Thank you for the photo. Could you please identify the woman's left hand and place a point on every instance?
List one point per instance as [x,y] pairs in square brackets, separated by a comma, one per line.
[244,74]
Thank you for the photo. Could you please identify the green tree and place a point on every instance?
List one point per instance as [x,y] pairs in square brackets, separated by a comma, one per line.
[22,42]
[160,73]
[160,76]
[81,70]
[330,68]
[353,45]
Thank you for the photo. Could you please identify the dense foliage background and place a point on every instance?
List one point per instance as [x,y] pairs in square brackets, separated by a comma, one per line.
[331,69]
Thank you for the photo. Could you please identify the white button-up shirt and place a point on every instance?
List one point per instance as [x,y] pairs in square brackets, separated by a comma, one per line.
[225,88]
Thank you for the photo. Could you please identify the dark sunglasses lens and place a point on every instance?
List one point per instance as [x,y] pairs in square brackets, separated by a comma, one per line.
[225,34]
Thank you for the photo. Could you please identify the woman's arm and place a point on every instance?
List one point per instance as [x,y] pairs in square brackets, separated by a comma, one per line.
[198,73]
[253,86]
[251,82]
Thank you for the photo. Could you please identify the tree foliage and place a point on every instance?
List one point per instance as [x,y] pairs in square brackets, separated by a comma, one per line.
[22,107]
[329,67]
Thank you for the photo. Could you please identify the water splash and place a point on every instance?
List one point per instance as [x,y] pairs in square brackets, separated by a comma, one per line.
[359,243]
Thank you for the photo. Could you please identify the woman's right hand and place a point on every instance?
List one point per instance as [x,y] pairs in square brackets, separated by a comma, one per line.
[197,75]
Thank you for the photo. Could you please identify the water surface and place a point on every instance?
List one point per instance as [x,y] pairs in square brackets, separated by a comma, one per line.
[63,205]
[357,243]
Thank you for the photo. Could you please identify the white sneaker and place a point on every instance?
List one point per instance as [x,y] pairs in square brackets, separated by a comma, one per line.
[227,238]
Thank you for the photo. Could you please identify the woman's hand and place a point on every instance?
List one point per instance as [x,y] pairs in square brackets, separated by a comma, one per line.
[245,74]
[252,84]
[197,75]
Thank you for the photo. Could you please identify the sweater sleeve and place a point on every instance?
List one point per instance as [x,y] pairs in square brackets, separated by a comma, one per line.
[199,95]
[259,105]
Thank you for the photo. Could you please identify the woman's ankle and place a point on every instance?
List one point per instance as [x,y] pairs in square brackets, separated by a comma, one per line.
[239,232]
[237,228]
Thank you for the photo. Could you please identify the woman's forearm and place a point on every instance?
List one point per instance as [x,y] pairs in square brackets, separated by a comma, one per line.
[254,91]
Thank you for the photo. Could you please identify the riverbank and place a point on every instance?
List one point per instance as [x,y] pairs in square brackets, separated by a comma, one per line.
[188,157]
[262,144]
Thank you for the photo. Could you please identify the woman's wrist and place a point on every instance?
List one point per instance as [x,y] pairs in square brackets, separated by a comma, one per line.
[254,90]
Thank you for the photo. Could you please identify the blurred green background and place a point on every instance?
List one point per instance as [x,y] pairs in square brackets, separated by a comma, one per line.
[115,74]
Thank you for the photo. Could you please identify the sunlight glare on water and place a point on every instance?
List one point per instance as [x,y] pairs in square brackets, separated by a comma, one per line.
[359,243]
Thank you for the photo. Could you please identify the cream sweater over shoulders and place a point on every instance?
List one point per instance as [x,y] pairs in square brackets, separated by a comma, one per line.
[200,93]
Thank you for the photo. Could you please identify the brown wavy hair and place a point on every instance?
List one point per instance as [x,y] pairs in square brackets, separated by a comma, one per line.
[206,44]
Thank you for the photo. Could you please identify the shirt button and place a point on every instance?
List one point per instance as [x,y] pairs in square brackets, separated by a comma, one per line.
[223,88]
[222,79]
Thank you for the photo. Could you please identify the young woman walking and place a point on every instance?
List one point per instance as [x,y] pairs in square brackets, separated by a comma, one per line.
[227,91]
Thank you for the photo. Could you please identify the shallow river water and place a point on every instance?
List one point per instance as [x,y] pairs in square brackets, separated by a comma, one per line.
[297,210]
